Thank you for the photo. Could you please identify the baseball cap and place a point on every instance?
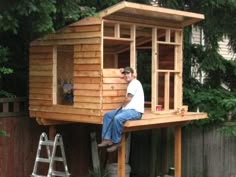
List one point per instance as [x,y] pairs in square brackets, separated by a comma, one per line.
[128,70]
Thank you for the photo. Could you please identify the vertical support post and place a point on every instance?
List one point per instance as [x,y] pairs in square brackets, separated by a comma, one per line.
[121,157]
[5,107]
[54,79]
[179,68]
[168,35]
[154,70]
[117,30]
[133,47]
[167,91]
[177,151]
[52,132]
[102,44]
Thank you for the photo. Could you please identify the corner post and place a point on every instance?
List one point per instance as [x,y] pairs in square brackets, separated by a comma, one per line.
[121,157]
[177,160]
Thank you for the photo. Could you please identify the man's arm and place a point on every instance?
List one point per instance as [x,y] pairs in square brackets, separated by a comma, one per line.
[128,98]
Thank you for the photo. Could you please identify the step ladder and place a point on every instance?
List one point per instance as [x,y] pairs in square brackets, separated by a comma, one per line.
[50,147]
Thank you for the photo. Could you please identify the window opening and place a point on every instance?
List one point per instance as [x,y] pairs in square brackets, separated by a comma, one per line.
[65,75]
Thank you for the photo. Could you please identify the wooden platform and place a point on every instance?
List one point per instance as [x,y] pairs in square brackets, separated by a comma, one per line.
[149,120]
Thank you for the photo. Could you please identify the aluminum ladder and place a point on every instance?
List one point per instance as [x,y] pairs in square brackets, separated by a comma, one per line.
[51,147]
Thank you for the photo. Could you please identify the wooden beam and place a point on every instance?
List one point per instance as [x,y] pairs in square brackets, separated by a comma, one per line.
[52,132]
[178,59]
[121,157]
[177,155]
[117,30]
[133,47]
[54,76]
[167,91]
[154,73]
[154,126]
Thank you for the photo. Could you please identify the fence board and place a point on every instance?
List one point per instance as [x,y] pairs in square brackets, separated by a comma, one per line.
[208,153]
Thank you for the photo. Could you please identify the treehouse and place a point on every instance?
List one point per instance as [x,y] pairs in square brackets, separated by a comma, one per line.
[75,72]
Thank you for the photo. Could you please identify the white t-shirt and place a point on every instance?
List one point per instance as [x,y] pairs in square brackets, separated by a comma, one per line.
[137,102]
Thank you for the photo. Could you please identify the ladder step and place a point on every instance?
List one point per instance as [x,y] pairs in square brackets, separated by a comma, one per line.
[59,173]
[46,160]
[51,158]
[60,159]
[48,143]
[35,175]
[40,159]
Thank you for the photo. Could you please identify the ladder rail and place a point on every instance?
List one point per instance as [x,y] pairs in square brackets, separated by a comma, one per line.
[51,147]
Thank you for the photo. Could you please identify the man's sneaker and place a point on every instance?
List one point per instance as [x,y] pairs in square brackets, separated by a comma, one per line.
[114,147]
[105,143]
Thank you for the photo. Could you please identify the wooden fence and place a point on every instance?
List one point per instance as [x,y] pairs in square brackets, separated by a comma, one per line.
[205,152]
[11,107]
[18,149]
[208,153]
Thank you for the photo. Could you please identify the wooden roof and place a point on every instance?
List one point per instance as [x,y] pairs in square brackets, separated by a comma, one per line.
[147,14]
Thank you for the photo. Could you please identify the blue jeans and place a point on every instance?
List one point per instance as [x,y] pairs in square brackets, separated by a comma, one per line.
[112,130]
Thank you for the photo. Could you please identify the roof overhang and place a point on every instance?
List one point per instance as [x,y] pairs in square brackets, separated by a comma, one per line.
[147,14]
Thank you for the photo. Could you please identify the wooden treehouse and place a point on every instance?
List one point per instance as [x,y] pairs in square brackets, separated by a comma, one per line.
[75,72]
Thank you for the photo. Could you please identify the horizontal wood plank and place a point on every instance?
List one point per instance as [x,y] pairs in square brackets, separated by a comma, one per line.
[111,73]
[87,87]
[40,85]
[112,86]
[40,102]
[40,49]
[87,54]
[116,80]
[40,97]
[111,106]
[87,60]
[90,80]
[87,47]
[40,61]
[65,109]
[87,99]
[42,68]
[113,93]
[83,28]
[86,93]
[67,41]
[44,79]
[87,67]
[87,105]
[42,56]
[111,99]
[40,73]
[40,91]
[87,73]
[77,35]
[69,117]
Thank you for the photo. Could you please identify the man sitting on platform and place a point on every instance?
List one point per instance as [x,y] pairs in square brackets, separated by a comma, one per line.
[132,108]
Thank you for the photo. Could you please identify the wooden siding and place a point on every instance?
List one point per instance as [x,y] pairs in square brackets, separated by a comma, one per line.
[77,33]
[86,74]
[113,89]
[40,75]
